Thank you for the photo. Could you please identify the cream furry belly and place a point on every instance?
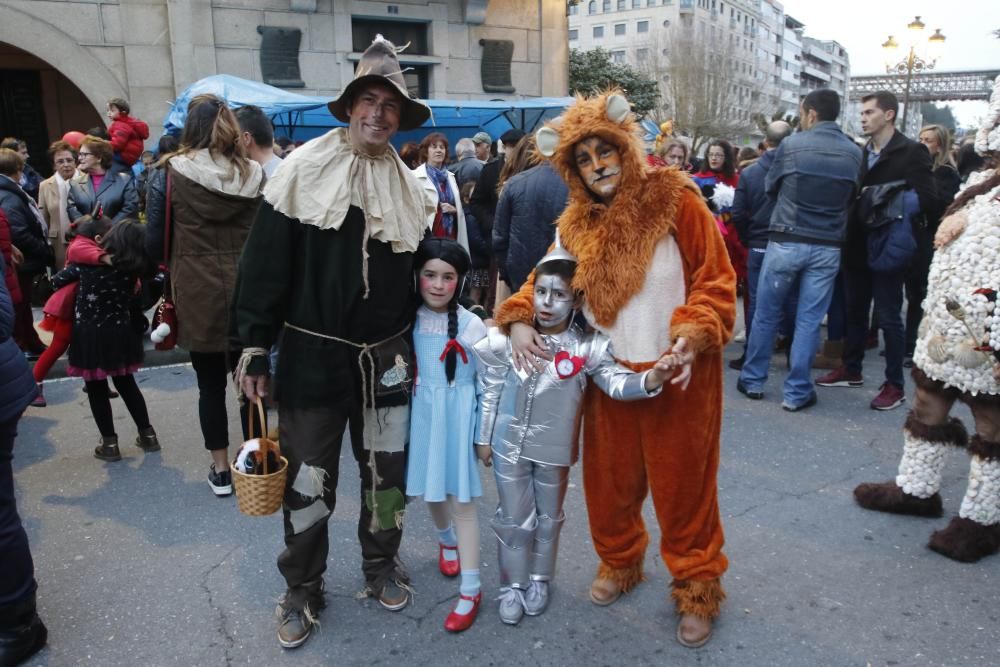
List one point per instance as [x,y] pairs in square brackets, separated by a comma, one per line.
[641,332]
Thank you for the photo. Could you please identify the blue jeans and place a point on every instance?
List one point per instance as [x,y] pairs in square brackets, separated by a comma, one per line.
[755,260]
[814,268]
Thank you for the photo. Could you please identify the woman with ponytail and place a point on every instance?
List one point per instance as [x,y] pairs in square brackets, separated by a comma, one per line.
[442,462]
[200,206]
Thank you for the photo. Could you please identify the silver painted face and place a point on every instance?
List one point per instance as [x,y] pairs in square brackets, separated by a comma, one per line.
[554,300]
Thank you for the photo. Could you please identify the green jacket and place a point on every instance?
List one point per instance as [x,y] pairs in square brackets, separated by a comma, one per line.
[312,278]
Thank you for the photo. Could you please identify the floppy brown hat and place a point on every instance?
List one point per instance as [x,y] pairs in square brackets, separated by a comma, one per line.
[379,64]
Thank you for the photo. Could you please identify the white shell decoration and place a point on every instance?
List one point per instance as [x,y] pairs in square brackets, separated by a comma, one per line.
[617,108]
[937,349]
[924,328]
[967,357]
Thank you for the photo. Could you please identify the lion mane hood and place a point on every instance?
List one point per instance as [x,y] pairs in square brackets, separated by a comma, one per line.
[613,242]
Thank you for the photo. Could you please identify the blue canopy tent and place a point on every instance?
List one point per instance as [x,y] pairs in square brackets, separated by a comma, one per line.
[302,117]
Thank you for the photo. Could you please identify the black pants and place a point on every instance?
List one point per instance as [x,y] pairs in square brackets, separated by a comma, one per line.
[862,286]
[916,285]
[100,403]
[17,573]
[24,323]
[213,370]
[311,438]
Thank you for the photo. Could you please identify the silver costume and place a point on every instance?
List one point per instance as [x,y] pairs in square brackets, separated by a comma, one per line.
[532,422]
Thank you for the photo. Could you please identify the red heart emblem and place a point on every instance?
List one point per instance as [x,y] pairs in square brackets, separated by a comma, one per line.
[567,366]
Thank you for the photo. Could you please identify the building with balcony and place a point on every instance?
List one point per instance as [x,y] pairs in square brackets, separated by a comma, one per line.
[638,32]
[61,60]
[791,65]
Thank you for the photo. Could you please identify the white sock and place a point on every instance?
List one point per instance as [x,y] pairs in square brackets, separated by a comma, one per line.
[448,538]
[470,587]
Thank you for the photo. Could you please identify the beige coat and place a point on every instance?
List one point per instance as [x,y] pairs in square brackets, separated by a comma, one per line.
[53,207]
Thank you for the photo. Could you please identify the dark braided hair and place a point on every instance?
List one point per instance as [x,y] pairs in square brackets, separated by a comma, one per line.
[450,252]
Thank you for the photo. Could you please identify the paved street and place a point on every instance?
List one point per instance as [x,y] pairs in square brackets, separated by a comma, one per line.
[139,564]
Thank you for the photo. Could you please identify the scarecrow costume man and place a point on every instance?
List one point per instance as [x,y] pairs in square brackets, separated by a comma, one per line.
[329,266]
[956,359]
[656,278]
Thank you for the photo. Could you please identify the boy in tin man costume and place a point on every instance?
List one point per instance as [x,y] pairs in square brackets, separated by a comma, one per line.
[329,262]
[532,423]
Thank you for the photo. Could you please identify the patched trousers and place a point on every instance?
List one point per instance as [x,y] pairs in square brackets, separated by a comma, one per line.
[311,439]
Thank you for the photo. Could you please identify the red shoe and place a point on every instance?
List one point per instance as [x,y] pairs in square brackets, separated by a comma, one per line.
[840,377]
[888,398]
[459,622]
[449,568]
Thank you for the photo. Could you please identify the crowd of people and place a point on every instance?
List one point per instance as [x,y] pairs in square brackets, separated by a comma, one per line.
[447,308]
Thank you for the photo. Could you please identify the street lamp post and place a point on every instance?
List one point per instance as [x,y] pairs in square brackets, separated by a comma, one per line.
[921,57]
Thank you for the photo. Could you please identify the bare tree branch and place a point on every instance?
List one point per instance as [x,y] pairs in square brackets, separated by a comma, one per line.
[703,87]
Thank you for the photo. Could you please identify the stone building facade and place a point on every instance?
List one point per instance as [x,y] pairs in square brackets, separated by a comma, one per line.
[72,55]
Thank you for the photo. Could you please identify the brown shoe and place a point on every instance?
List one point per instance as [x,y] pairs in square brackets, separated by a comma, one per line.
[889,497]
[965,540]
[694,631]
[604,592]
[394,596]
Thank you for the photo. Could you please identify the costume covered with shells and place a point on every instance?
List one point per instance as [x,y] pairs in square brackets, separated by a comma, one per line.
[957,352]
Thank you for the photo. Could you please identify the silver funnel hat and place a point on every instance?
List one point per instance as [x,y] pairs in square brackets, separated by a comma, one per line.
[557,254]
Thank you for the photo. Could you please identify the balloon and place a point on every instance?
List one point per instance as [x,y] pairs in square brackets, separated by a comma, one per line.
[74,139]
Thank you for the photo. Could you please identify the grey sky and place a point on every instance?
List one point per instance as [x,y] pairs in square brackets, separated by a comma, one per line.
[862,25]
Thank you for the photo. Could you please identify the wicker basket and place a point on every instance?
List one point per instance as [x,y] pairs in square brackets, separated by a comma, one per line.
[260,495]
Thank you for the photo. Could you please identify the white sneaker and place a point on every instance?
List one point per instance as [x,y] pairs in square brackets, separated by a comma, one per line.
[511,605]
[537,598]
[740,337]
[220,482]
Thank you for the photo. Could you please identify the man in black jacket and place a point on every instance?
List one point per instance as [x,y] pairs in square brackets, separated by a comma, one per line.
[524,226]
[889,156]
[484,198]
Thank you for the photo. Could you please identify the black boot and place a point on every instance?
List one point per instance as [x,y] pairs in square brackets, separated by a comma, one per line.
[147,441]
[108,449]
[22,633]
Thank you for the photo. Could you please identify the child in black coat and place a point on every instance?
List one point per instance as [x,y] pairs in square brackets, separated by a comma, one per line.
[107,334]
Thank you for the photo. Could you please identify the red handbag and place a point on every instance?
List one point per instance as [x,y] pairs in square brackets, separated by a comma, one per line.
[165,312]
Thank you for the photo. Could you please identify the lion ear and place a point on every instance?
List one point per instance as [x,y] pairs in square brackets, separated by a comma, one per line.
[617,108]
[547,140]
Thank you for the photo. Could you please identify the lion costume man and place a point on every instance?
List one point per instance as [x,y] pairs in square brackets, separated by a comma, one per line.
[655,275]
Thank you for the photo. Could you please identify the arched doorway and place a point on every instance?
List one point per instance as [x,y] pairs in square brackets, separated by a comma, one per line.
[39,104]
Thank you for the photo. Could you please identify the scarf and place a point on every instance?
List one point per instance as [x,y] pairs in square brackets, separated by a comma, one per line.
[444,223]
[218,173]
[320,180]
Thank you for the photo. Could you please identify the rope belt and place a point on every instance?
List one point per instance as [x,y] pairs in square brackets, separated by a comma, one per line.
[368,385]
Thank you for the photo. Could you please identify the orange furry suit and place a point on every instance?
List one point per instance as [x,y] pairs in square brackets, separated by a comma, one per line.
[653,267]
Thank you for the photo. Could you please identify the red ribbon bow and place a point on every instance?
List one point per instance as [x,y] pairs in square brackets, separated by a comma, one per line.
[453,344]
